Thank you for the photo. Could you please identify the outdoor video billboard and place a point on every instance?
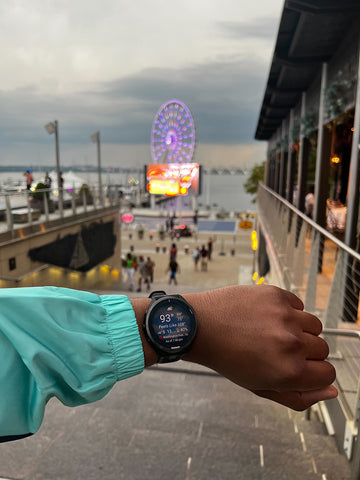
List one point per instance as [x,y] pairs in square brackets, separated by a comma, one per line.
[172,179]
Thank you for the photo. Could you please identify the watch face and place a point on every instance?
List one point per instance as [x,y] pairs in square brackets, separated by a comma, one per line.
[171,324]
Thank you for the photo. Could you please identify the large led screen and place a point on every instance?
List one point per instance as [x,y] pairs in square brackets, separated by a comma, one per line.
[173,179]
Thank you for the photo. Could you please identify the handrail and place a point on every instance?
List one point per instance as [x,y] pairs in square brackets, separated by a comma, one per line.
[311,222]
[341,332]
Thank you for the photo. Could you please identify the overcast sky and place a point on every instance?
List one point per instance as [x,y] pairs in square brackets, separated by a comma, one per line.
[110,65]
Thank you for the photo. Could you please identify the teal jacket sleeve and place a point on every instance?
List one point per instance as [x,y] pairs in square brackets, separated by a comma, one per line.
[65,343]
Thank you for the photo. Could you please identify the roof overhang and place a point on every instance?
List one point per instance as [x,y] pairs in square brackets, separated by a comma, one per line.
[309,34]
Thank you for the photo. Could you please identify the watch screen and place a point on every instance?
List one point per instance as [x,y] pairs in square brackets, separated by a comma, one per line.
[172,324]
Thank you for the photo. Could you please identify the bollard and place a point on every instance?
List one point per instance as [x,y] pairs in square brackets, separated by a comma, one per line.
[233,252]
[157,248]
[164,249]
[186,248]
[131,248]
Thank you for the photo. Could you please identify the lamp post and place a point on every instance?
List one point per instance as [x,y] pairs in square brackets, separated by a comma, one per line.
[95,137]
[52,127]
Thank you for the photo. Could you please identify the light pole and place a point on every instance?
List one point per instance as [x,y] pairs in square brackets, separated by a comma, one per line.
[52,127]
[95,137]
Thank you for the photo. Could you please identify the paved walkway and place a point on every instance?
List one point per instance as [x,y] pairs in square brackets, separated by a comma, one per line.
[181,421]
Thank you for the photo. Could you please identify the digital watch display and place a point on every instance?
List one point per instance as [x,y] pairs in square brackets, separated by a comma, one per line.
[169,326]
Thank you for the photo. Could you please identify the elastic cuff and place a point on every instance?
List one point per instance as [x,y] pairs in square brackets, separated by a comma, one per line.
[124,336]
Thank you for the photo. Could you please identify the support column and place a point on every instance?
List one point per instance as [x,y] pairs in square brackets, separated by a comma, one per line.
[353,189]
[351,289]
[282,163]
[304,150]
[303,159]
[291,164]
[277,166]
[322,158]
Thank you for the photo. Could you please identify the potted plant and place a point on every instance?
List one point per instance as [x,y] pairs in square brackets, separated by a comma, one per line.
[37,199]
[140,232]
[161,233]
[85,191]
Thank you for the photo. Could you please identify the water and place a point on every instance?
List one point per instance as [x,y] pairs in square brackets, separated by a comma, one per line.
[227,192]
[218,191]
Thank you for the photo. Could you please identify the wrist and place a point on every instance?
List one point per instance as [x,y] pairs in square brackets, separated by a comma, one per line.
[140,305]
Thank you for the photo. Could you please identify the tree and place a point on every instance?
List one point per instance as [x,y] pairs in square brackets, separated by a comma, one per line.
[256,176]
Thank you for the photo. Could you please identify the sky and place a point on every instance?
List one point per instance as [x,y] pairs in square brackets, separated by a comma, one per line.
[109,66]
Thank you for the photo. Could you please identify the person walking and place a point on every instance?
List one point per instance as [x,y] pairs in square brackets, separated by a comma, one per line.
[47,180]
[142,273]
[29,179]
[210,247]
[204,256]
[130,270]
[196,257]
[174,268]
[150,265]
[173,252]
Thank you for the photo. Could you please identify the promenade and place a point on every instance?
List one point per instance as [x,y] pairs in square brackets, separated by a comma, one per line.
[179,421]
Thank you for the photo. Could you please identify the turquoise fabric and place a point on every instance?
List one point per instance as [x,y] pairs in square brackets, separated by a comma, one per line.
[65,343]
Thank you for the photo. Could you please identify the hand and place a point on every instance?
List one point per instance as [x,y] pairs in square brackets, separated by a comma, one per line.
[259,337]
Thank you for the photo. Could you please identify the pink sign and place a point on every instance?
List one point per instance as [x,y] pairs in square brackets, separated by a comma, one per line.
[127,217]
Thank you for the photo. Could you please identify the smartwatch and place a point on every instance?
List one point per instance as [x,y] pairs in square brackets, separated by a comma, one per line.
[169,326]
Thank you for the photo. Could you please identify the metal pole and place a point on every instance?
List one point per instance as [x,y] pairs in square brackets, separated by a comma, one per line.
[320,194]
[290,161]
[353,197]
[282,162]
[58,172]
[99,170]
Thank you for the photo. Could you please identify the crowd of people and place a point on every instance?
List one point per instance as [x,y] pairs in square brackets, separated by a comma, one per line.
[203,254]
[143,268]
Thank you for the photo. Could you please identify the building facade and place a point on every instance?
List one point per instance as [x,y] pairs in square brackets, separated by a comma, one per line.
[308,206]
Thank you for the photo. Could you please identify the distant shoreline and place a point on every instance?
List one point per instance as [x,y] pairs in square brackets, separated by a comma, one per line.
[231,170]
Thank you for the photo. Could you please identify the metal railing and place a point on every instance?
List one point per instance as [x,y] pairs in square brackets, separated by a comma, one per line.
[26,208]
[315,264]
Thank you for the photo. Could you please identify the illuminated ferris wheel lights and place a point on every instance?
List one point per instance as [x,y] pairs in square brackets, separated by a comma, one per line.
[173,133]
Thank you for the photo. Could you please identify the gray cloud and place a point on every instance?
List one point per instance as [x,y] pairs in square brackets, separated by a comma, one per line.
[223,96]
[262,27]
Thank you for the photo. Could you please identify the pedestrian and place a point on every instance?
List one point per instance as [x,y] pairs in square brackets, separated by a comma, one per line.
[141,267]
[130,270]
[61,180]
[173,251]
[174,268]
[210,247]
[29,179]
[150,265]
[172,221]
[47,180]
[196,257]
[203,256]
[309,202]
[93,341]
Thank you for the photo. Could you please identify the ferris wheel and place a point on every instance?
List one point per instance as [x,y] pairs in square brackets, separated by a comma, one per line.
[173,134]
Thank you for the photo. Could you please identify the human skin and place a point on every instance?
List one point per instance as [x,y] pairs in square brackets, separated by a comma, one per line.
[260,338]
